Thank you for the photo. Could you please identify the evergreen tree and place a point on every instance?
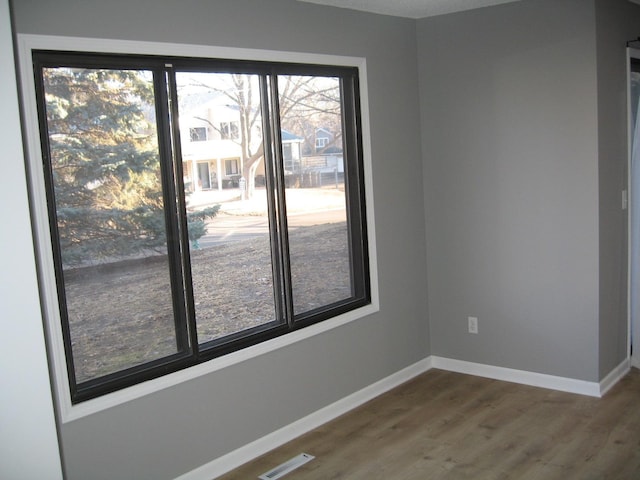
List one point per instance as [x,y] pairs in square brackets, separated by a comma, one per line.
[105,164]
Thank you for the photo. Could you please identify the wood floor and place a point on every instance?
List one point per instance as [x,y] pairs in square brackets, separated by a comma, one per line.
[444,425]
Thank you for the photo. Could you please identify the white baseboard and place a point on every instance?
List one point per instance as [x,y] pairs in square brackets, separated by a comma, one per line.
[263,445]
[614,376]
[244,454]
[635,362]
[533,379]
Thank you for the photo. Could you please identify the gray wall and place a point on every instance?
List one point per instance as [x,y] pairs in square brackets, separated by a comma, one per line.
[27,422]
[510,144]
[176,430]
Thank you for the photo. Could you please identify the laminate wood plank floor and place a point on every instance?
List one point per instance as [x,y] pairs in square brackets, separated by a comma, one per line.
[444,425]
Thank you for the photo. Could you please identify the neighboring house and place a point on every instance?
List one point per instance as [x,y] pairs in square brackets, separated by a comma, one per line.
[323,139]
[326,155]
[291,151]
[211,150]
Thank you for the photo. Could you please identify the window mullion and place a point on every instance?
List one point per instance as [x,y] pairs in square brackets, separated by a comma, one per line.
[272,185]
[177,237]
[280,200]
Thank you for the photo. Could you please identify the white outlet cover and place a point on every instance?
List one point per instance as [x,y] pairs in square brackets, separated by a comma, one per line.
[473,324]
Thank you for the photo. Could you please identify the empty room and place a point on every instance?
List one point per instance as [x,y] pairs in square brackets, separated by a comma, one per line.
[374,239]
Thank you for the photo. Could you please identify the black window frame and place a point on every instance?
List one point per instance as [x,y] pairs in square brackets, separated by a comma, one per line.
[190,352]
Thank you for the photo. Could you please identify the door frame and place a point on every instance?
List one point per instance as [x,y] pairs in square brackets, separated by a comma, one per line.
[633,328]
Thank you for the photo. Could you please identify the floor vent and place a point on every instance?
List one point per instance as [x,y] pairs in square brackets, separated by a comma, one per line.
[288,466]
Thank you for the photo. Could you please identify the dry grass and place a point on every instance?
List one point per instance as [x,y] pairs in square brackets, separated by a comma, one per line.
[121,314]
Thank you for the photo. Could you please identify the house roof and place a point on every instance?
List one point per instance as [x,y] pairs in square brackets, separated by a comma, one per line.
[331,150]
[290,137]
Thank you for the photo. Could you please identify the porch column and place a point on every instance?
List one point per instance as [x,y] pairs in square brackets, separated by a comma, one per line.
[194,175]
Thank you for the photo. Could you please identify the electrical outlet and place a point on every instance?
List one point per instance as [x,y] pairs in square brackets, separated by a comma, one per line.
[473,324]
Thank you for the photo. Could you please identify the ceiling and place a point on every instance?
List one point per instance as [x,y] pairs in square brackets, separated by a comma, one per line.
[411,8]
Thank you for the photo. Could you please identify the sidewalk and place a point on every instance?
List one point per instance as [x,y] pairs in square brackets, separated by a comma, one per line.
[299,200]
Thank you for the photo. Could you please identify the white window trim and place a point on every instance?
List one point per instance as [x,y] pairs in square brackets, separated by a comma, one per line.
[26,44]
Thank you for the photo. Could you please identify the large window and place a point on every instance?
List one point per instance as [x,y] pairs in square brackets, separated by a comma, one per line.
[153,278]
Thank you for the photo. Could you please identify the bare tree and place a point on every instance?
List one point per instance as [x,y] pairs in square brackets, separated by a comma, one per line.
[309,103]
[306,103]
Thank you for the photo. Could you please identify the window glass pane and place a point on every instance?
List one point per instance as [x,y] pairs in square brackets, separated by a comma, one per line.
[312,137]
[106,180]
[198,134]
[228,224]
[635,89]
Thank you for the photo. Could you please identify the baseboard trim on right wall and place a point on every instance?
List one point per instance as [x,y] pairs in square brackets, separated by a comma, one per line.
[614,376]
[563,384]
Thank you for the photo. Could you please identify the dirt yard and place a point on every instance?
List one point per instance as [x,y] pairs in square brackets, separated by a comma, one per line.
[121,314]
